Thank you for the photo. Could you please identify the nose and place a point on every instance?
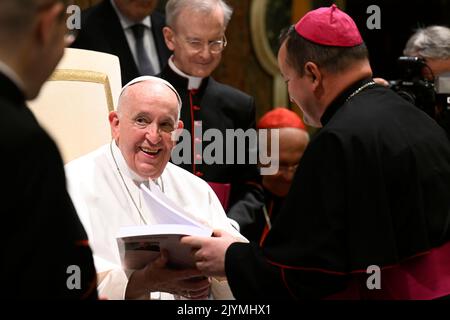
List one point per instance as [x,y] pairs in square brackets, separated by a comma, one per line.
[153,133]
[205,52]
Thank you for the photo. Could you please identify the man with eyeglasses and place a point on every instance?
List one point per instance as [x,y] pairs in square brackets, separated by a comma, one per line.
[129,29]
[195,33]
[45,252]
[292,142]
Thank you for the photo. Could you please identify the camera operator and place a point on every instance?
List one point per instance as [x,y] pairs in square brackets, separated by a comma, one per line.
[429,72]
[425,73]
[433,45]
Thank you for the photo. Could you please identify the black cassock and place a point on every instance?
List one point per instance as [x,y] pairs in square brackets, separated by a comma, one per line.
[45,252]
[221,108]
[372,189]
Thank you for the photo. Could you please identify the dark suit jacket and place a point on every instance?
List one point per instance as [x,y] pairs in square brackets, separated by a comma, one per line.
[220,107]
[42,235]
[101,31]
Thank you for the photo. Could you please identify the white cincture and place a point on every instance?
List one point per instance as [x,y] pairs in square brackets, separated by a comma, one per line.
[368,84]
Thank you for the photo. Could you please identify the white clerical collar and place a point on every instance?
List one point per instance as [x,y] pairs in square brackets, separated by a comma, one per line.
[12,75]
[126,22]
[123,166]
[193,82]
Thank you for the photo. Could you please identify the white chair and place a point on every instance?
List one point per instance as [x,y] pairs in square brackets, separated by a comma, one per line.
[74,104]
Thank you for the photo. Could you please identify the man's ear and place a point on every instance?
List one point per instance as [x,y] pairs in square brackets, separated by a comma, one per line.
[314,74]
[312,71]
[114,124]
[178,131]
[168,37]
[48,22]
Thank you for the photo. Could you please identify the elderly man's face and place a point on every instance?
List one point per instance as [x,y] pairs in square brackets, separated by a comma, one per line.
[136,10]
[143,127]
[292,144]
[190,41]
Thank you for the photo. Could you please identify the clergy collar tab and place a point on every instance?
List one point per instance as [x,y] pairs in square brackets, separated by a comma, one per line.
[194,83]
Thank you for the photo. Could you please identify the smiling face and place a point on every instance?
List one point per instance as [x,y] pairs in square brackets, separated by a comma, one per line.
[143,126]
[196,26]
[292,144]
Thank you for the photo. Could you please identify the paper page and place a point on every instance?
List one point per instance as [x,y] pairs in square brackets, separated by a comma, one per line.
[139,245]
[164,210]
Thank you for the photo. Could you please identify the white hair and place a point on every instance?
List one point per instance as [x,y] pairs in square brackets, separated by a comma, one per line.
[174,8]
[151,78]
[431,42]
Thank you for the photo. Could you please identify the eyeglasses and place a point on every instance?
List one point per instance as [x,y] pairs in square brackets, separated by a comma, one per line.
[215,46]
[283,168]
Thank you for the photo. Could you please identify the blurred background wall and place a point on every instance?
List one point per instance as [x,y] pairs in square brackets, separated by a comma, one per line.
[241,67]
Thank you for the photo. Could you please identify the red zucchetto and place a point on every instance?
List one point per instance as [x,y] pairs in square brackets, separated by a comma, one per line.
[280,118]
[329,27]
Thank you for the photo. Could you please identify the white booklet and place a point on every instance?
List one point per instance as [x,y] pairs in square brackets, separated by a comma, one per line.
[139,245]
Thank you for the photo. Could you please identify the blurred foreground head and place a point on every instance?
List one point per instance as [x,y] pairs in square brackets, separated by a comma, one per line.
[32,37]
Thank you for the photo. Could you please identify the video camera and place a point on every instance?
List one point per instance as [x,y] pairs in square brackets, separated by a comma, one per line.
[433,97]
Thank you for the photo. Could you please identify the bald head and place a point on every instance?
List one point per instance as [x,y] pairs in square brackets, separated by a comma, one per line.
[17,18]
[32,40]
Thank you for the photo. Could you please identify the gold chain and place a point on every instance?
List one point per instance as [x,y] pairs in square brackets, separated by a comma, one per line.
[371,83]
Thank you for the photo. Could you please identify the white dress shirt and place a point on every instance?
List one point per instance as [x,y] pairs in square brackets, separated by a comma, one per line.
[149,41]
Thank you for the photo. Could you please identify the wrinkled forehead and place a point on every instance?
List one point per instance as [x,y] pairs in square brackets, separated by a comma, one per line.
[146,88]
[140,96]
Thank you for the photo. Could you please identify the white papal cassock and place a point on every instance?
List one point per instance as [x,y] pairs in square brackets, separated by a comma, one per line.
[104,205]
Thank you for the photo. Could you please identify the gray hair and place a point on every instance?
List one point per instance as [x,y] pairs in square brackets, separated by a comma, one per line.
[174,8]
[431,42]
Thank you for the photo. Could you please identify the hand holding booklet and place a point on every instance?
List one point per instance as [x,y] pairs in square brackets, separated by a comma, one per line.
[139,245]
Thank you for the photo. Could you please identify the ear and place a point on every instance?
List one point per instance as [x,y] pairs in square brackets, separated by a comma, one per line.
[48,22]
[114,124]
[169,38]
[313,72]
[177,132]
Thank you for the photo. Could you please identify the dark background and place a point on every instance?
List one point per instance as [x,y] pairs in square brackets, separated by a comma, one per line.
[399,19]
